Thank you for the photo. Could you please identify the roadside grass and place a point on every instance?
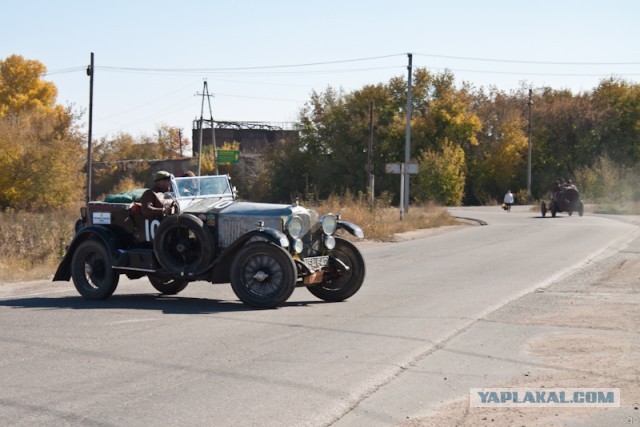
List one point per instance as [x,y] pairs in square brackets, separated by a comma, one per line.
[628,208]
[383,221]
[32,244]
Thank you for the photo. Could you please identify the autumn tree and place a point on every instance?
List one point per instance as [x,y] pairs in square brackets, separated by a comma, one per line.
[499,161]
[41,156]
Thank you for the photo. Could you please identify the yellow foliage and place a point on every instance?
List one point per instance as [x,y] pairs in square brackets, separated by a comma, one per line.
[22,89]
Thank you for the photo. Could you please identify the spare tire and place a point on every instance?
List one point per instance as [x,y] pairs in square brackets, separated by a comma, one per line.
[183,245]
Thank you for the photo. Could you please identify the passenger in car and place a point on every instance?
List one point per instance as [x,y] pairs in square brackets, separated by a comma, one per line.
[153,203]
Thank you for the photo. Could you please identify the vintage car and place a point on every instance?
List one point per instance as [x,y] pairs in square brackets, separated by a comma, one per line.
[564,198]
[263,250]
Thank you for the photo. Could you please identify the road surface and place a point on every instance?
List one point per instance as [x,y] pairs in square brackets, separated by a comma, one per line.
[203,358]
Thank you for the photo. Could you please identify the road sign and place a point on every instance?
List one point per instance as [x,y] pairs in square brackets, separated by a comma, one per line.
[412,168]
[228,156]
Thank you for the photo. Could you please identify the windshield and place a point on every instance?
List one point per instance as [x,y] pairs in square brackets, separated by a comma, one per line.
[203,186]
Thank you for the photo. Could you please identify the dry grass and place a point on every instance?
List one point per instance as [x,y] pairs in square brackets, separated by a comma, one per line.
[628,208]
[32,244]
[382,222]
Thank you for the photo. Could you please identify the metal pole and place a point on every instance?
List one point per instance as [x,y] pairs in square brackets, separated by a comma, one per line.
[407,148]
[402,181]
[530,103]
[90,73]
[370,156]
[200,124]
[213,131]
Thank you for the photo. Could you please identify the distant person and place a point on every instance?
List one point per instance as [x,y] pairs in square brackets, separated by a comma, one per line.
[153,203]
[508,201]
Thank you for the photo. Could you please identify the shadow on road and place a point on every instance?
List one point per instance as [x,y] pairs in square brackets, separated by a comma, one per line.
[151,302]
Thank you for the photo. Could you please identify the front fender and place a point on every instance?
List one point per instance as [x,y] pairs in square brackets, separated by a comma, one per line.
[222,264]
[351,228]
[106,236]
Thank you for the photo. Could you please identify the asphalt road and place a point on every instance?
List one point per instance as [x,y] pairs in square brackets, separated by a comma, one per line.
[202,358]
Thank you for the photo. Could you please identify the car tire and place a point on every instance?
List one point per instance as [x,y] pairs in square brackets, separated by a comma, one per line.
[342,283]
[263,275]
[91,270]
[168,285]
[183,245]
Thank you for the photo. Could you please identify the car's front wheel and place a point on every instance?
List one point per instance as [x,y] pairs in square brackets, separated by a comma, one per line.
[168,285]
[263,275]
[345,276]
[91,270]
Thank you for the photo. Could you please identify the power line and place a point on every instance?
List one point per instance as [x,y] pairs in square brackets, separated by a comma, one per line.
[515,61]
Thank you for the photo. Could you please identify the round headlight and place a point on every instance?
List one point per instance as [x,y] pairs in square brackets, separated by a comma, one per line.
[298,246]
[329,242]
[329,223]
[294,226]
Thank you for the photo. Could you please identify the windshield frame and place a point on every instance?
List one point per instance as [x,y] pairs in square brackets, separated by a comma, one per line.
[202,187]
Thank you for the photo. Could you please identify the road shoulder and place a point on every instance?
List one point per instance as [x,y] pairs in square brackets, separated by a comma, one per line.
[581,331]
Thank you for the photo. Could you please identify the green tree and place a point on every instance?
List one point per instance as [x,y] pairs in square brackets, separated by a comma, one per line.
[441,176]
[618,129]
[499,162]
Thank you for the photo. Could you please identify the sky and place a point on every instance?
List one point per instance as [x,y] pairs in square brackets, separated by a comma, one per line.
[262,59]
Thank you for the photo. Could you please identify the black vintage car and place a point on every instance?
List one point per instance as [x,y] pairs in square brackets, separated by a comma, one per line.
[263,250]
[564,198]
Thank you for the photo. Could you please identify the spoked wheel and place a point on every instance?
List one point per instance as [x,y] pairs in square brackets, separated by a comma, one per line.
[345,275]
[183,244]
[167,285]
[91,270]
[263,275]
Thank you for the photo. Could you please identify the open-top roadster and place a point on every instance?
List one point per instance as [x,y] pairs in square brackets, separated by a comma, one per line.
[263,250]
[564,198]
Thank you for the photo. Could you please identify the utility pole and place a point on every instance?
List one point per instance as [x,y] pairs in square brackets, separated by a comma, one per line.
[370,157]
[90,70]
[205,92]
[407,148]
[530,103]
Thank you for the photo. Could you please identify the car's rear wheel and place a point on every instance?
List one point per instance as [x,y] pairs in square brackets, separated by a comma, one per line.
[91,271]
[263,275]
[345,275]
[167,285]
[183,244]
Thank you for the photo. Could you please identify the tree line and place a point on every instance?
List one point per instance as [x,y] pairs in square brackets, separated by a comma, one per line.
[471,144]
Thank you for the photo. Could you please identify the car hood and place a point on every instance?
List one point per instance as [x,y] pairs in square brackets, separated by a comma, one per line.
[226,207]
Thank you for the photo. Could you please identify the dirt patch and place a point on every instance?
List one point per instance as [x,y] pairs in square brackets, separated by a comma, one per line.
[596,344]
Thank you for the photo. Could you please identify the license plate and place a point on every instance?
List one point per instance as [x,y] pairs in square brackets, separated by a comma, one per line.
[316,263]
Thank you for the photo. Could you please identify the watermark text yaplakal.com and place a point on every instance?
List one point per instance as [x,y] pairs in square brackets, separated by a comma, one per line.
[545,397]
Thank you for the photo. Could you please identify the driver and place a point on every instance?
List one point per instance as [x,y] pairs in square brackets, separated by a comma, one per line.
[153,203]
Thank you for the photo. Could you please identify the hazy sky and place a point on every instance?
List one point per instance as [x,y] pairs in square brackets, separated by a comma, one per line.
[262,59]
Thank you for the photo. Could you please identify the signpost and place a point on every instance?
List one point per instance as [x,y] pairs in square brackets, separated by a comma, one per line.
[402,169]
[228,156]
